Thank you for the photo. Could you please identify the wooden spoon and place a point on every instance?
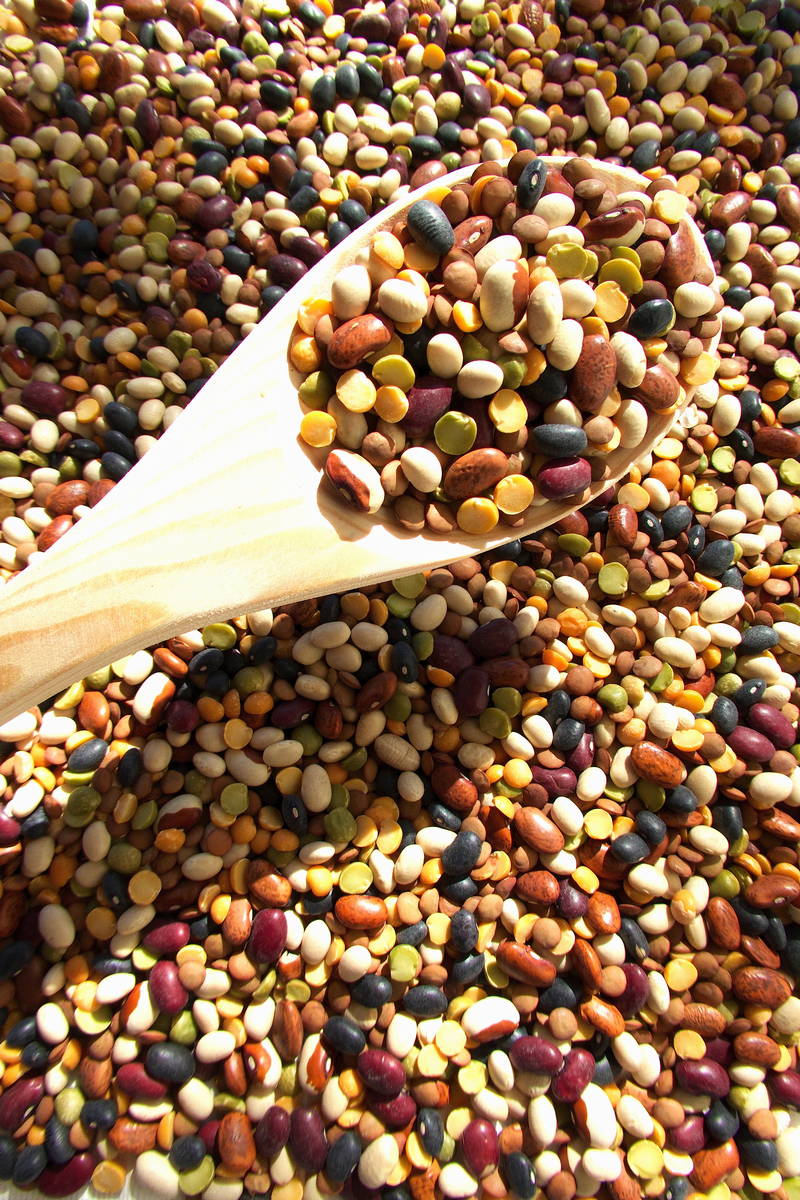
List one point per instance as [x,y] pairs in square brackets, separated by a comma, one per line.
[228,513]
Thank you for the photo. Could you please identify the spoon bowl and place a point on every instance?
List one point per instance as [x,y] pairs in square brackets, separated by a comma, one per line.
[228,512]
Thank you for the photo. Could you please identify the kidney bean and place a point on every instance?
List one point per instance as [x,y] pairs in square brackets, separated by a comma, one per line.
[577,1070]
[536,1054]
[703,1076]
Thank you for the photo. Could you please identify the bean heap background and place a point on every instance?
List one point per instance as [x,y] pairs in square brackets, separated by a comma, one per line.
[483,882]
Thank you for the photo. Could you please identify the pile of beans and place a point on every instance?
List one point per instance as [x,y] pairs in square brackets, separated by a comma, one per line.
[516,330]
[484,882]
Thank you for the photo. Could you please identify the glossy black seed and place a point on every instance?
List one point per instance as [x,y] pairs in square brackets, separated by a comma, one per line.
[352,213]
[13,957]
[707,142]
[187,1152]
[568,735]
[651,525]
[347,81]
[467,970]
[557,707]
[720,1123]
[737,297]
[757,639]
[121,418]
[716,558]
[343,1157]
[404,662]
[130,767]
[519,1175]
[373,991]
[170,1063]
[681,799]
[58,1148]
[650,826]
[651,319]
[724,715]
[750,402]
[36,1055]
[425,148]
[429,227]
[560,994]
[463,931]
[21,1033]
[115,466]
[531,183]
[678,1188]
[412,935]
[344,1035]
[629,848]
[87,756]
[676,520]
[8,1155]
[424,1000]
[458,891]
[323,94]
[31,1161]
[758,1153]
[775,934]
[551,385]
[749,694]
[560,441]
[275,95]
[523,139]
[303,199]
[295,814]
[715,241]
[753,921]
[634,939]
[430,1129]
[461,855]
[33,342]
[645,156]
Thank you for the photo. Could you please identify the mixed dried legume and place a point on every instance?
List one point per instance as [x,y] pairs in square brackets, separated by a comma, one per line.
[482,882]
[490,351]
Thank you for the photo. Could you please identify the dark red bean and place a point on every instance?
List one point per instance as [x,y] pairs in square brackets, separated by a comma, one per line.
[267,936]
[272,1132]
[134,1081]
[704,1077]
[9,830]
[750,745]
[215,213]
[307,1140]
[450,654]
[536,1054]
[784,1087]
[689,1136]
[285,270]
[166,988]
[583,754]
[395,1112]
[773,724]
[637,990]
[564,477]
[45,399]
[471,692]
[71,1177]
[494,639]
[575,1074]
[427,401]
[15,1103]
[169,938]
[381,1072]
[557,781]
[11,438]
[480,1146]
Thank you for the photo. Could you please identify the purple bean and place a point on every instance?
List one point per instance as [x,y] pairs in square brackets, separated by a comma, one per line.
[272,1132]
[381,1072]
[572,903]
[494,639]
[450,654]
[583,754]
[45,399]
[689,1136]
[784,1087]
[71,1177]
[428,400]
[773,724]
[480,1146]
[169,938]
[536,1054]
[9,830]
[750,745]
[286,270]
[134,1081]
[395,1112]
[564,477]
[637,990]
[471,692]
[215,213]
[19,1099]
[267,936]
[704,1077]
[557,781]
[166,988]
[575,1074]
[307,1140]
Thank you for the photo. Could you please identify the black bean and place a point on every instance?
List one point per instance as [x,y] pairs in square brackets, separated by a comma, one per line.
[8,1155]
[170,1063]
[716,558]
[629,848]
[373,991]
[650,826]
[87,756]
[519,1175]
[425,1000]
[560,441]
[720,1123]
[463,931]
[724,715]
[344,1035]
[343,1157]
[651,319]
[462,854]
[430,227]
[57,1145]
[187,1152]
[431,1130]
[530,185]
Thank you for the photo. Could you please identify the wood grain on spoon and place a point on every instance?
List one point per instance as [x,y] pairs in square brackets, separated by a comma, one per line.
[228,513]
